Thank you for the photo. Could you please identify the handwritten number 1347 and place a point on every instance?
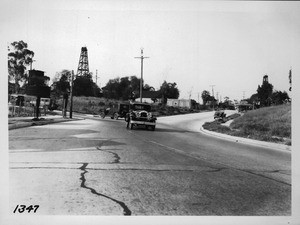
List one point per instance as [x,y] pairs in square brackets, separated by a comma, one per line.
[23,208]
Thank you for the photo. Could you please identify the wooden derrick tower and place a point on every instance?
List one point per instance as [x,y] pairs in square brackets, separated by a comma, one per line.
[83,65]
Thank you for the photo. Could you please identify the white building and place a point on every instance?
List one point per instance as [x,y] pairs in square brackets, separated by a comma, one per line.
[148,96]
[181,103]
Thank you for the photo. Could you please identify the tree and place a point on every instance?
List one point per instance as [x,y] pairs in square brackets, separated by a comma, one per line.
[148,88]
[227,104]
[84,86]
[61,82]
[124,88]
[205,96]
[169,90]
[110,90]
[279,97]
[195,105]
[264,93]
[254,99]
[18,58]
[226,99]
[61,87]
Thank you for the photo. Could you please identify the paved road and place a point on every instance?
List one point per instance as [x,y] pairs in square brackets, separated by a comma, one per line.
[98,167]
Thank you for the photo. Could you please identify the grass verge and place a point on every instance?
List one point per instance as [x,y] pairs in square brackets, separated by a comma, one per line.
[272,124]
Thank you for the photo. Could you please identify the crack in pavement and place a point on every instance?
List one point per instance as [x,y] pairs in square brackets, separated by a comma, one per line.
[116,156]
[216,170]
[126,210]
[286,172]
[118,169]
[211,170]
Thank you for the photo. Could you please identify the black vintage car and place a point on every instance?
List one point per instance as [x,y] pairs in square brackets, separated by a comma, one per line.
[140,115]
[118,110]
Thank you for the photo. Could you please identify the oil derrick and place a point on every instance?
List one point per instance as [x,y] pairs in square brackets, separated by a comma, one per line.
[83,65]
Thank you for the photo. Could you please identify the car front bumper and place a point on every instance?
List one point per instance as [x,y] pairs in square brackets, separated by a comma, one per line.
[142,122]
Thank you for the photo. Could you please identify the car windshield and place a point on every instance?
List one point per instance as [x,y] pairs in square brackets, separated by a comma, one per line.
[141,107]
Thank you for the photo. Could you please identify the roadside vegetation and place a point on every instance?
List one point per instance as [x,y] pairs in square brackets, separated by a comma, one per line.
[271,124]
[94,105]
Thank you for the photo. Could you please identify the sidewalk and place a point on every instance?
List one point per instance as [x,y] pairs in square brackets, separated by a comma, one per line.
[20,122]
[247,140]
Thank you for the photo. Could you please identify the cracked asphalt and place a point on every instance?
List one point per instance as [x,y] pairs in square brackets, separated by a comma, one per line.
[98,167]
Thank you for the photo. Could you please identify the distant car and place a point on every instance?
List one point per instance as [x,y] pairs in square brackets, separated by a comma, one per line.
[140,115]
[219,115]
[119,111]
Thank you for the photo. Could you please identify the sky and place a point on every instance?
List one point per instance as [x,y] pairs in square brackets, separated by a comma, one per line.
[227,46]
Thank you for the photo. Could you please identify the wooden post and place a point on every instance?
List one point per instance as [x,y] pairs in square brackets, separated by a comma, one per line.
[71,95]
[38,100]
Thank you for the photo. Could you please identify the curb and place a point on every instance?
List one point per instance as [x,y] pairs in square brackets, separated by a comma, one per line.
[242,140]
[39,123]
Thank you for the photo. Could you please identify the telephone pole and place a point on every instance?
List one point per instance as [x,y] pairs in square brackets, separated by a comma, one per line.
[96,76]
[212,89]
[141,81]
[71,95]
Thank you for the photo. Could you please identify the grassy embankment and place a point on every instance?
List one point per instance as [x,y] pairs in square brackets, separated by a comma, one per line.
[272,124]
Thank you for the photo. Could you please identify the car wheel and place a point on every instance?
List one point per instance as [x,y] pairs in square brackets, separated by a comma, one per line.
[153,128]
[102,115]
[116,116]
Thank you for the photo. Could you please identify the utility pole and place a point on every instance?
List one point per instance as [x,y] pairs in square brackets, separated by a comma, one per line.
[212,89]
[290,79]
[190,93]
[141,81]
[71,95]
[96,76]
